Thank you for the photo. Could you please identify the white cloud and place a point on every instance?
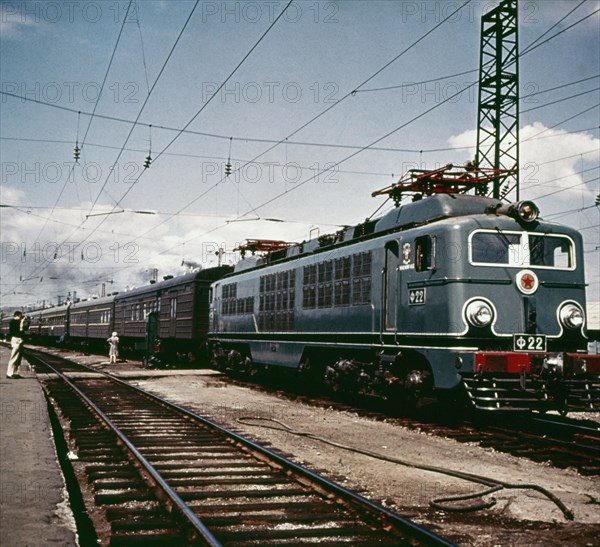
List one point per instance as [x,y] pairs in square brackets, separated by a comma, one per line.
[13,28]
[11,195]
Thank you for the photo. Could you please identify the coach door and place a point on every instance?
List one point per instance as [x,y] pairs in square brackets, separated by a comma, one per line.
[390,286]
[173,314]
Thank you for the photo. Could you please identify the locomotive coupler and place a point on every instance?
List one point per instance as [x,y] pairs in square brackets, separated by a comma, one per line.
[554,364]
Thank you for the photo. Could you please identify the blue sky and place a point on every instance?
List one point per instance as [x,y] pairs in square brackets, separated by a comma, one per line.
[57,53]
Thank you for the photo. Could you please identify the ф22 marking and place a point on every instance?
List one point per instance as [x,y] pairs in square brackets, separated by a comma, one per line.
[529,342]
[416,297]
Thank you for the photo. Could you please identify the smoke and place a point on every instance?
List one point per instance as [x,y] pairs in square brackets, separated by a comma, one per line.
[191,266]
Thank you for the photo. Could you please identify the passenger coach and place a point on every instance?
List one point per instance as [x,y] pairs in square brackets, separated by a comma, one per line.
[174,310]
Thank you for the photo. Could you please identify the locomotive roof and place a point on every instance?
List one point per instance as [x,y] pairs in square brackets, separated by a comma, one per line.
[435,208]
[416,213]
[428,210]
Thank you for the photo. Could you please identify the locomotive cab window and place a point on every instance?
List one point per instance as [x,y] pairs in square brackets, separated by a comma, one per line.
[518,249]
[425,253]
[551,251]
[495,248]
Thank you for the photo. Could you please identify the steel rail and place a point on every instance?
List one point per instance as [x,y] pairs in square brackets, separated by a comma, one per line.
[190,519]
[399,522]
[555,421]
[386,516]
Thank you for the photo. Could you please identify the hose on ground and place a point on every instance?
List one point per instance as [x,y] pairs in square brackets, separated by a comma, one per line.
[444,504]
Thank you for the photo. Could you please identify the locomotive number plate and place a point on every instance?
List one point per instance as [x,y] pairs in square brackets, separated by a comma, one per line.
[416,297]
[529,342]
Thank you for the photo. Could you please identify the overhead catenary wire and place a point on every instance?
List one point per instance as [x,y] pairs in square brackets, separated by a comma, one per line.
[561,86]
[566,189]
[581,113]
[79,149]
[247,138]
[307,180]
[195,116]
[323,145]
[351,93]
[298,185]
[381,69]
[137,22]
[376,147]
[560,100]
[157,79]
[531,48]
[42,267]
[240,63]
[554,25]
[110,62]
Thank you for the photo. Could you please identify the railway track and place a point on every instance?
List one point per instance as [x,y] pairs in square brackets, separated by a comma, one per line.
[158,474]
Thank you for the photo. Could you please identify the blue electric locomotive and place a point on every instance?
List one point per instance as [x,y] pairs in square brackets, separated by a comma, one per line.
[448,291]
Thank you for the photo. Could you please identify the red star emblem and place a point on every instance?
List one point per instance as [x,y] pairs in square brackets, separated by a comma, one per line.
[527,282]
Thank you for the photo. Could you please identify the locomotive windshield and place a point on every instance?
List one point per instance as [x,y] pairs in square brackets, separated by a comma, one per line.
[497,248]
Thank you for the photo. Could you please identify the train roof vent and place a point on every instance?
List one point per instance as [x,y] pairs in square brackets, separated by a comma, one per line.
[366,228]
[167,277]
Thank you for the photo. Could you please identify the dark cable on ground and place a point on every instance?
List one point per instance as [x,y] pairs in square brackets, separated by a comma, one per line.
[438,503]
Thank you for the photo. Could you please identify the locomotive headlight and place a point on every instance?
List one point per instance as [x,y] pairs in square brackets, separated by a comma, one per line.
[479,313]
[571,316]
[526,211]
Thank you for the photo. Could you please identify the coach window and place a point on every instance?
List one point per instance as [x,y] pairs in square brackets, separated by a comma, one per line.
[173,311]
[425,253]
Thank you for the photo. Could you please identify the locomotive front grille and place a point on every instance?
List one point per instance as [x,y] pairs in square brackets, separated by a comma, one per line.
[508,393]
[520,382]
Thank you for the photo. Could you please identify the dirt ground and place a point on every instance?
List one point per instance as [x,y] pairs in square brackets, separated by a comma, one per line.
[518,517]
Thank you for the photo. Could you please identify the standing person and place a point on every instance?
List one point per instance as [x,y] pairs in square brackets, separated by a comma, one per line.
[113,353]
[16,329]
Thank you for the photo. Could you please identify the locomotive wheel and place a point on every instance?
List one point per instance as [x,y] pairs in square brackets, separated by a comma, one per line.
[416,389]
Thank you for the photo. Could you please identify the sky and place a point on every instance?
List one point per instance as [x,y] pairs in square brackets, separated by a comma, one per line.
[214,81]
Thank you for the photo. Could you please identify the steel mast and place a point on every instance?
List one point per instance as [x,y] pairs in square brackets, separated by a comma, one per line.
[498,105]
